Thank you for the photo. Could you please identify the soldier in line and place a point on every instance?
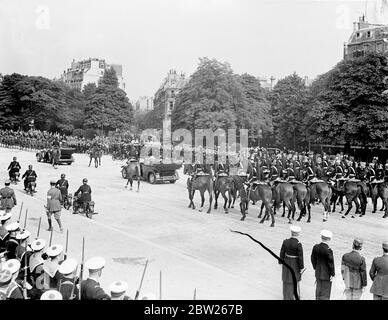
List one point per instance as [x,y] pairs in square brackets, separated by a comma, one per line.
[118,290]
[12,242]
[36,268]
[4,234]
[8,198]
[379,275]
[292,253]
[68,283]
[353,269]
[51,266]
[14,290]
[90,288]
[322,260]
[54,199]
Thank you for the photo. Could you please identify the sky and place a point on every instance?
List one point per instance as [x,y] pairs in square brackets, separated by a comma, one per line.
[150,37]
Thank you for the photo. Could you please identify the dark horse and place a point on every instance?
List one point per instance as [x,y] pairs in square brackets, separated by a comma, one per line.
[380,190]
[256,192]
[283,192]
[223,185]
[202,182]
[356,191]
[132,170]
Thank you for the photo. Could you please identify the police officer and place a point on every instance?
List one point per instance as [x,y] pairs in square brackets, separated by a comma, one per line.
[353,269]
[292,253]
[68,283]
[85,192]
[7,196]
[322,260]
[117,291]
[90,288]
[13,169]
[54,199]
[30,175]
[379,275]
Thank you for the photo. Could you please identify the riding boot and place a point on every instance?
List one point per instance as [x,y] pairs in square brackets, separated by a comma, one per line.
[59,224]
[50,225]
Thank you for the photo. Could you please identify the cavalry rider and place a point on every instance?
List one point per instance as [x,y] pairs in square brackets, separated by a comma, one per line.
[13,169]
[380,172]
[339,171]
[63,185]
[274,171]
[85,194]
[309,171]
[30,176]
[351,171]
[370,173]
[386,172]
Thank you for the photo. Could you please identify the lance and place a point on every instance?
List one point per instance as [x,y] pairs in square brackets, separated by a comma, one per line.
[37,234]
[25,220]
[67,243]
[160,285]
[82,267]
[141,281]
[20,212]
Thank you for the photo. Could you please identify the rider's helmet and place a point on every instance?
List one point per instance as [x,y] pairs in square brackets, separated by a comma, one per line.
[63,176]
[14,158]
[30,167]
[85,180]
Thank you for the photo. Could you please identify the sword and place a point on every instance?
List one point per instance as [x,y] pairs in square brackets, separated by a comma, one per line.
[141,281]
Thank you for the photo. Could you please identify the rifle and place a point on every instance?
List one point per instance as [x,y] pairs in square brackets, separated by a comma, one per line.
[160,285]
[82,267]
[37,234]
[25,220]
[20,212]
[195,294]
[51,237]
[25,273]
[141,281]
[67,242]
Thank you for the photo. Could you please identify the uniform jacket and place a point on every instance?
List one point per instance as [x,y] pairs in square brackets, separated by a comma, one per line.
[66,286]
[353,269]
[379,274]
[4,236]
[85,191]
[8,198]
[10,247]
[292,253]
[14,166]
[51,274]
[30,174]
[63,186]
[54,198]
[323,261]
[91,290]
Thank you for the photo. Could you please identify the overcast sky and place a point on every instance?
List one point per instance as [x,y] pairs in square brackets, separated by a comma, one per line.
[149,37]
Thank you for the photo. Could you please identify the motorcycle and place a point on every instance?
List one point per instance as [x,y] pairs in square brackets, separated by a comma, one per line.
[31,185]
[67,201]
[14,177]
[78,207]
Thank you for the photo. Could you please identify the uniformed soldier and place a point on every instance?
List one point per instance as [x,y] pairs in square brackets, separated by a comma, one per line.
[13,170]
[322,260]
[85,193]
[51,295]
[36,268]
[379,275]
[54,199]
[292,253]
[353,269]
[12,243]
[8,198]
[22,237]
[4,234]
[51,266]
[8,288]
[15,291]
[118,290]
[90,288]
[30,176]
[68,283]
[63,185]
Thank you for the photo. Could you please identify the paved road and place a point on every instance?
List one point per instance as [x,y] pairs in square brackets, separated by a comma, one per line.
[193,249]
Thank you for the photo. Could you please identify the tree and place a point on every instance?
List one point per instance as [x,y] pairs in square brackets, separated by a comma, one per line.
[109,107]
[289,102]
[349,97]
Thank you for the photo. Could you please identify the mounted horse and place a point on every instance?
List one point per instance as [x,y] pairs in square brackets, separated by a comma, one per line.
[200,181]
[380,191]
[132,171]
[223,185]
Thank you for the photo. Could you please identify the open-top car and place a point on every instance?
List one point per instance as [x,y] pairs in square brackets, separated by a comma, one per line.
[46,155]
[157,172]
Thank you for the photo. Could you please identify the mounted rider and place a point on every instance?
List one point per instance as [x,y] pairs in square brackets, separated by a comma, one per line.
[30,176]
[14,168]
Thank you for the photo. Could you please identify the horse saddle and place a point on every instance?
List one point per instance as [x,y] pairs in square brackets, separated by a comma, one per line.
[294,181]
[222,174]
[354,180]
[257,182]
[315,180]
[201,173]
[279,180]
[377,181]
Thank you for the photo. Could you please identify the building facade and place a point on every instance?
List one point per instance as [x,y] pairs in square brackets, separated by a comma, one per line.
[365,38]
[267,83]
[144,104]
[90,71]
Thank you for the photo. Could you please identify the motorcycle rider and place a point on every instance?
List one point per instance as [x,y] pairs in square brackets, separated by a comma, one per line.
[30,176]
[63,186]
[13,169]
[85,192]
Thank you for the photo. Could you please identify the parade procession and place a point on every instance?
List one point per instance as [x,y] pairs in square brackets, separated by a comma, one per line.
[221,185]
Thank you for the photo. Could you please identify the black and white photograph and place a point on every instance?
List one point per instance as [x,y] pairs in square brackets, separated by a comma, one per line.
[213,150]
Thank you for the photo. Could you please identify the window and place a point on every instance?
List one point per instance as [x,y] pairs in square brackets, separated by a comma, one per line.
[369,34]
[358,34]
[171,105]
